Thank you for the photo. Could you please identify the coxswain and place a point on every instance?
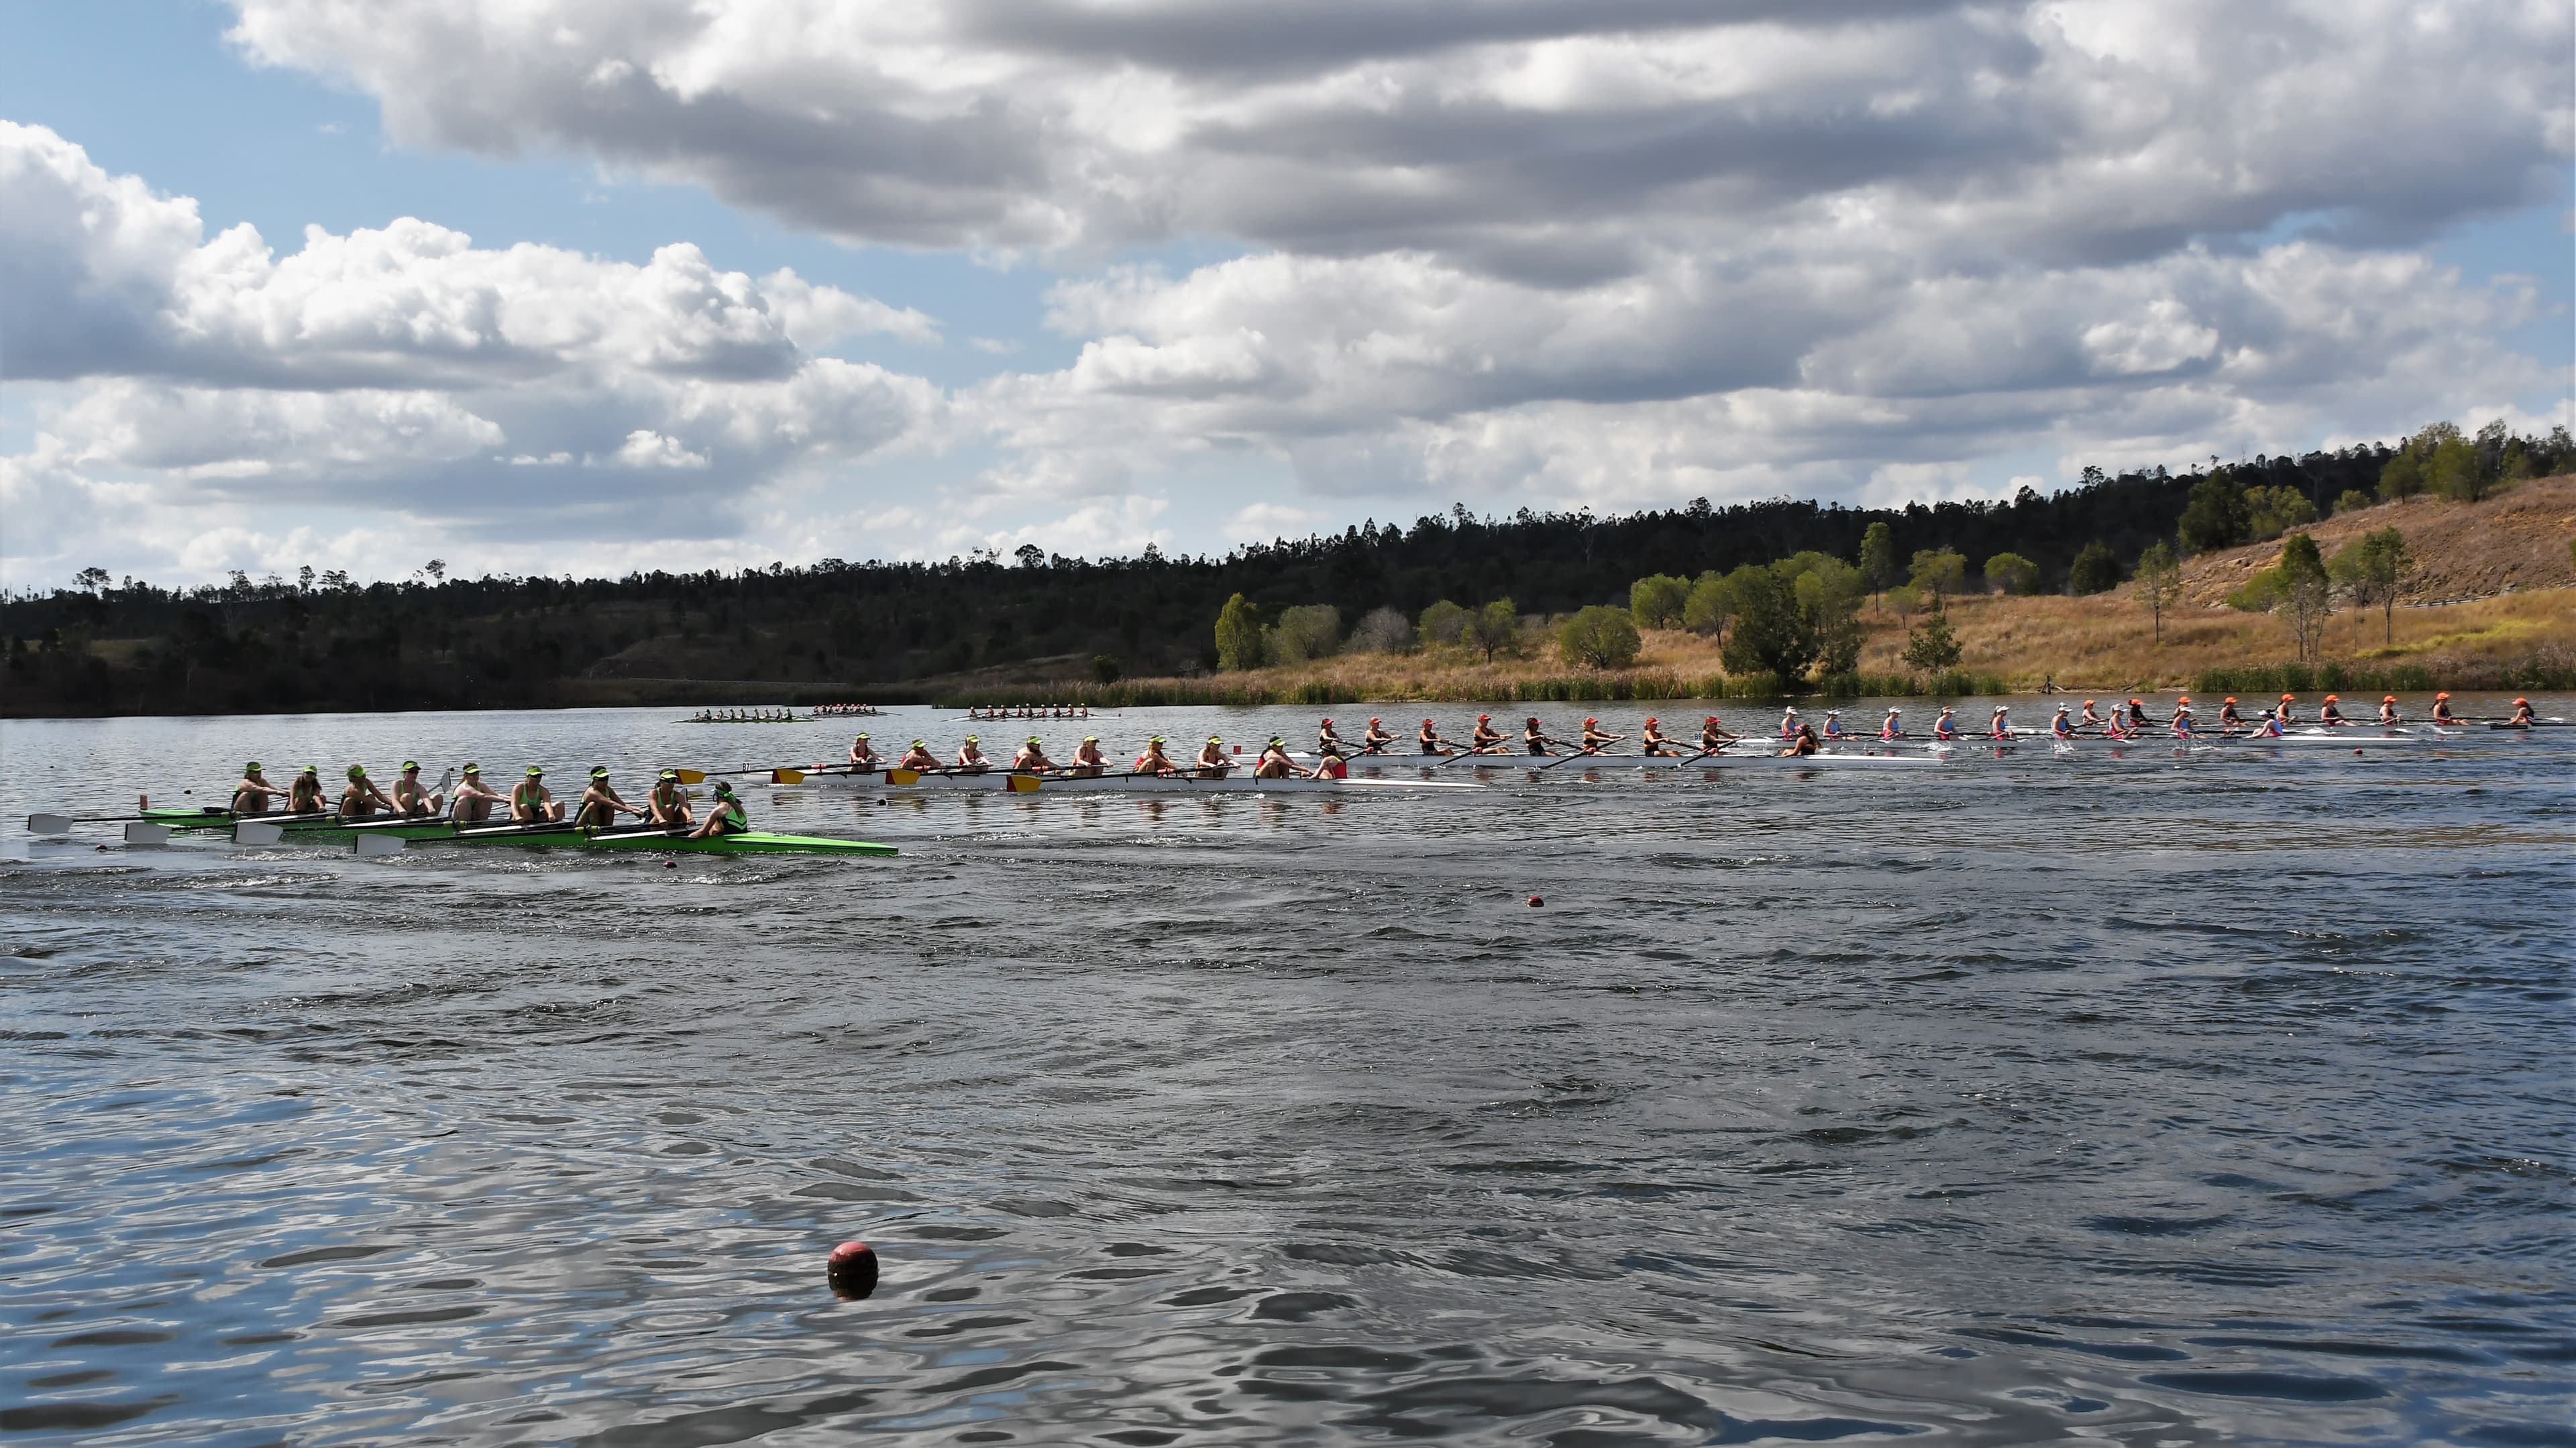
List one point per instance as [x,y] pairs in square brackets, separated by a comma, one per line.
[1789,722]
[2388,710]
[918,758]
[2442,709]
[670,803]
[2000,726]
[411,797]
[1212,763]
[1274,762]
[1535,740]
[1487,739]
[2091,719]
[1893,726]
[1376,739]
[1713,736]
[1595,737]
[2275,723]
[1947,726]
[1331,766]
[600,804]
[2229,721]
[362,799]
[1087,758]
[473,801]
[2330,713]
[1032,758]
[1651,740]
[724,814]
[864,758]
[2522,718]
[1801,743]
[970,755]
[2063,726]
[531,802]
[1154,760]
[1325,738]
[252,794]
[1834,724]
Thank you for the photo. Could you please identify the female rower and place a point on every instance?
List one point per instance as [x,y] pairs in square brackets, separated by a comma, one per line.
[1376,739]
[670,803]
[1487,739]
[1325,738]
[2388,710]
[2330,713]
[530,801]
[1947,726]
[410,798]
[1032,758]
[362,799]
[725,815]
[1331,766]
[473,800]
[2182,723]
[1212,762]
[1154,760]
[1595,738]
[2228,719]
[2288,709]
[2276,723]
[2115,727]
[1789,725]
[1087,759]
[970,755]
[2442,709]
[1713,736]
[1893,726]
[2000,726]
[1834,724]
[918,757]
[1651,740]
[2063,726]
[2138,721]
[601,804]
[1535,740]
[1431,742]
[251,796]
[1274,762]
[2521,715]
[1801,743]
[863,755]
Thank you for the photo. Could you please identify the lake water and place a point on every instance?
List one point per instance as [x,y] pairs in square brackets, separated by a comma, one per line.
[2013,1099]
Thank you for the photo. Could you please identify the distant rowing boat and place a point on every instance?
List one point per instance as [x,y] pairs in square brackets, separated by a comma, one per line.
[271,830]
[999,781]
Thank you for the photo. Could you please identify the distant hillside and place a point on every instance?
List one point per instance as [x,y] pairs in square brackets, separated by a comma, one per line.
[2506,544]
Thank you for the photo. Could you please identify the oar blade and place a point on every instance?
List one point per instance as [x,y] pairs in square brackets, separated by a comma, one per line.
[370,846]
[1024,784]
[258,832]
[903,776]
[691,776]
[50,824]
[786,776]
[137,832]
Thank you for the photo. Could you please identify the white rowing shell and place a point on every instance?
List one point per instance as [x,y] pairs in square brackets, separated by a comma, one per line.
[999,781]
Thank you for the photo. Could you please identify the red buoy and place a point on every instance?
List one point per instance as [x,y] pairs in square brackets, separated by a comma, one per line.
[1535,902]
[852,1271]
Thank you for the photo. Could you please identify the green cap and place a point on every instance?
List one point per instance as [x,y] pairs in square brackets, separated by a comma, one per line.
[863,736]
[1033,739]
[357,771]
[474,769]
[535,769]
[251,768]
[670,774]
[1090,738]
[313,769]
[1157,739]
[599,771]
[974,738]
[724,786]
[410,764]
[917,744]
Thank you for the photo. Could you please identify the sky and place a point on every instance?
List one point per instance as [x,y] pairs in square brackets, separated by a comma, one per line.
[585,286]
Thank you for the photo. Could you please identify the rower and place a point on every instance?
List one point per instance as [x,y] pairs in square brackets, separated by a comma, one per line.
[304,793]
[2388,710]
[1789,722]
[670,803]
[2330,713]
[1087,758]
[1331,766]
[1487,739]
[2442,709]
[1274,762]
[1595,737]
[1535,740]
[2522,718]
[410,798]
[1376,739]
[1032,758]
[1212,763]
[1431,741]
[1651,740]
[2228,719]
[2275,723]
[1325,738]
[1713,736]
[970,755]
[2091,720]
[2063,726]
[724,815]
[2182,721]
[2288,711]
[864,758]
[472,803]
[531,802]
[918,757]
[1801,743]
[2116,727]
[1834,724]
[2138,719]
[362,799]
[2000,727]
[600,804]
[1893,726]
[1947,726]
[251,796]
[1154,760]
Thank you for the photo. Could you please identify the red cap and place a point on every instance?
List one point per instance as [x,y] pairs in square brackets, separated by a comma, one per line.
[1484,718]
[1591,721]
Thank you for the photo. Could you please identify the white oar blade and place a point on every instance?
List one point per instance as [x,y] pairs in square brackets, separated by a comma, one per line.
[139,833]
[258,832]
[370,846]
[49,824]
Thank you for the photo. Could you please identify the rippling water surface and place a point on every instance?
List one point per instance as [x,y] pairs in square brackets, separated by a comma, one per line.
[2006,1100]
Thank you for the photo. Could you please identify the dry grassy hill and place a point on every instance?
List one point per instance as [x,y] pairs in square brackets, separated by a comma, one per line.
[2502,544]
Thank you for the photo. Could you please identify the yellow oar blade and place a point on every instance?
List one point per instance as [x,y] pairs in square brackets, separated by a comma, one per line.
[786,776]
[691,776]
[903,776]
[1024,784]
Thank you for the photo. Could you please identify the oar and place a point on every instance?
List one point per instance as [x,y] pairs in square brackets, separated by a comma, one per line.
[54,824]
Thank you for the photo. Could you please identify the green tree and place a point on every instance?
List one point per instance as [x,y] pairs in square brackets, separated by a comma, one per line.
[2307,593]
[1312,631]
[1238,635]
[2373,569]
[1657,600]
[2094,571]
[2352,500]
[1444,623]
[2012,573]
[1496,628]
[2159,582]
[1933,647]
[2214,516]
[1770,634]
[1939,572]
[1878,556]
[2271,512]
[2452,471]
[2402,477]
[1829,593]
[1599,637]
[1710,605]
[1104,668]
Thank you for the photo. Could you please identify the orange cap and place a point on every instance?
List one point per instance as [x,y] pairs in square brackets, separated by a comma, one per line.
[2137,701]
[2289,698]
[2522,701]
[2231,698]
[2334,698]
[2443,695]
[2185,699]
[2388,698]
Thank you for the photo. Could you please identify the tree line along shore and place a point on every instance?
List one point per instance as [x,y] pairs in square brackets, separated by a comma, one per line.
[2445,559]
